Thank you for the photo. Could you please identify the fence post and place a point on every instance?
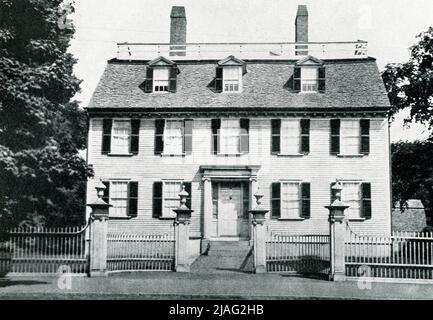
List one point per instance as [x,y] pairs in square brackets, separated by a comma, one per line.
[98,234]
[181,226]
[259,235]
[337,231]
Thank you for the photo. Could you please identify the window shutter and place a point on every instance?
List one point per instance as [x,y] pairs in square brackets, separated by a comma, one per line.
[159,136]
[188,189]
[297,79]
[148,83]
[335,136]
[187,136]
[305,200]
[276,136]
[365,136]
[157,200]
[133,198]
[305,136]
[216,126]
[245,141]
[172,84]
[276,200]
[106,196]
[322,79]
[219,79]
[366,200]
[106,135]
[135,135]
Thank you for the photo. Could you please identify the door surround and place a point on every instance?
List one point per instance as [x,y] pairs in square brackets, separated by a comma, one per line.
[222,173]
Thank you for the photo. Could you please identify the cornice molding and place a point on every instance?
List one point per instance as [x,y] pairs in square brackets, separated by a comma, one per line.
[379,112]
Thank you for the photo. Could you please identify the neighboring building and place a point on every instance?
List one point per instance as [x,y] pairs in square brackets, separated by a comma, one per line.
[226,120]
[410,218]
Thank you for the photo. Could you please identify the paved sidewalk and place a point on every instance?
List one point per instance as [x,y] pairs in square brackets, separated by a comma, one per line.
[167,285]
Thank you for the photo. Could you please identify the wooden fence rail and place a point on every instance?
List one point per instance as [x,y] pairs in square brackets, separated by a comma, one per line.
[135,252]
[44,250]
[404,255]
[300,254]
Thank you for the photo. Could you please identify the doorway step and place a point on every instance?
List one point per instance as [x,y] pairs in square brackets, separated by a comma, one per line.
[225,257]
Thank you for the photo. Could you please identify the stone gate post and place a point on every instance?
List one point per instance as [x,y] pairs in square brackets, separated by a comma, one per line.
[181,230]
[98,234]
[259,235]
[337,231]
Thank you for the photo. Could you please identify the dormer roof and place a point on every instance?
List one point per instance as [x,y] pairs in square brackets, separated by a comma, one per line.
[161,62]
[233,61]
[309,61]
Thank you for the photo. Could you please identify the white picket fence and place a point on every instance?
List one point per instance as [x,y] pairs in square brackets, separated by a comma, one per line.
[305,254]
[44,250]
[140,252]
[404,255]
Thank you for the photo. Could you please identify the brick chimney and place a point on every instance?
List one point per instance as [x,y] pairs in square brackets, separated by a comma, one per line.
[177,30]
[301,24]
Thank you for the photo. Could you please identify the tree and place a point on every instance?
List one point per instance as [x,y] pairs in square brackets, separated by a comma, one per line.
[41,128]
[412,173]
[410,85]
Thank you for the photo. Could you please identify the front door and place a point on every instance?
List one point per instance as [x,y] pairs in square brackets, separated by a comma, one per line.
[232,209]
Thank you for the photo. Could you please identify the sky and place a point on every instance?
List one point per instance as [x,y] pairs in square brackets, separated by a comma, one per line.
[390,27]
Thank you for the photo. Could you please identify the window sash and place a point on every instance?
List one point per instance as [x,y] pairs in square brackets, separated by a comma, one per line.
[230,133]
[231,78]
[350,135]
[173,137]
[121,136]
[290,142]
[170,197]
[119,198]
[161,77]
[290,200]
[351,196]
[309,79]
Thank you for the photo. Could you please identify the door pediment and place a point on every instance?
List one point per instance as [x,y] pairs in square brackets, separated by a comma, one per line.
[229,172]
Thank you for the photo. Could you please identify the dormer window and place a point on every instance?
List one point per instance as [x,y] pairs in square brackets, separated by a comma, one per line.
[309,79]
[232,77]
[309,76]
[161,76]
[229,74]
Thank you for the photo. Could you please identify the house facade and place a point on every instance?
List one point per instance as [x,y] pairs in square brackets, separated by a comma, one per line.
[227,120]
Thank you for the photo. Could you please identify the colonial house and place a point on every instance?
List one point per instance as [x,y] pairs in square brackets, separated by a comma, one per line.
[226,120]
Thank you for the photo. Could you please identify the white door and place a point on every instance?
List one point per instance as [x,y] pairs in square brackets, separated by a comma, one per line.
[231,222]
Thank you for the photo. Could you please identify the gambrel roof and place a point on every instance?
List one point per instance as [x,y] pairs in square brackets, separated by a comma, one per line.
[350,84]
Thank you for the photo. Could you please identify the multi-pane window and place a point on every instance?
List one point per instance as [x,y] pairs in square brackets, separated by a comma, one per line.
[161,78]
[290,200]
[230,136]
[290,136]
[173,136]
[121,135]
[350,136]
[119,198]
[171,198]
[231,79]
[351,196]
[309,79]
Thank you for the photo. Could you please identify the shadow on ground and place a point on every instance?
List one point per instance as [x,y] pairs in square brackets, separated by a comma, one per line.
[4,282]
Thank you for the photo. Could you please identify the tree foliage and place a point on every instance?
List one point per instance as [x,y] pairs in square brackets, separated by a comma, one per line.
[410,85]
[41,128]
[412,172]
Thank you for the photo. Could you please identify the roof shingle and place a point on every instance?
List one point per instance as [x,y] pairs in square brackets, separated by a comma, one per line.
[349,84]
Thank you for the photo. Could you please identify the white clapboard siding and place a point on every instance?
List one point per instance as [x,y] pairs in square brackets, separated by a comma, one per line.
[319,168]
